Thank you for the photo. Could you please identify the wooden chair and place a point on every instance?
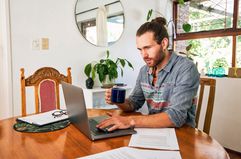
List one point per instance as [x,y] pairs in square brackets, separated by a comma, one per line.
[208,116]
[46,83]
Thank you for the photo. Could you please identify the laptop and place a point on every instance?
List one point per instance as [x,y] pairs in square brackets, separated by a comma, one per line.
[77,112]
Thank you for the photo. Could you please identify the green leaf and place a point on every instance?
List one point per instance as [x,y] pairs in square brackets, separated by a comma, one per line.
[113,74]
[149,14]
[87,70]
[190,58]
[108,53]
[183,53]
[186,27]
[93,72]
[102,61]
[101,70]
[122,72]
[193,54]
[130,65]
[188,47]
[122,61]
[181,2]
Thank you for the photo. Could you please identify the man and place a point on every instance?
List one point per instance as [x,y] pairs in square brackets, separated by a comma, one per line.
[168,83]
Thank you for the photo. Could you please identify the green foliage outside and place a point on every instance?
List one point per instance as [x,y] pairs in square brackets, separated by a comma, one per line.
[221,62]
[208,49]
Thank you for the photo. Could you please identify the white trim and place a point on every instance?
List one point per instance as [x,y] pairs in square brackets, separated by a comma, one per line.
[6,61]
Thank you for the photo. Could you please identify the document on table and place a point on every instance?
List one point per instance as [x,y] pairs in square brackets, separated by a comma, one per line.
[44,118]
[161,138]
[133,153]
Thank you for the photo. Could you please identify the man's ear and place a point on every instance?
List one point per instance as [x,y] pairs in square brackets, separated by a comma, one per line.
[164,43]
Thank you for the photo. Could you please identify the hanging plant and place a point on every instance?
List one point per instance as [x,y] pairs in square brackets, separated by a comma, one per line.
[186,26]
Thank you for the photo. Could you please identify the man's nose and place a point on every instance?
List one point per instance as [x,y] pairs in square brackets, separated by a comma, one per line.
[144,54]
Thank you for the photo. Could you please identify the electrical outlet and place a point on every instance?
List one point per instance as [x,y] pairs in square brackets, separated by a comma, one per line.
[45,43]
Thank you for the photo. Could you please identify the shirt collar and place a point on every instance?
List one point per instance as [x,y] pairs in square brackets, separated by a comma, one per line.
[171,62]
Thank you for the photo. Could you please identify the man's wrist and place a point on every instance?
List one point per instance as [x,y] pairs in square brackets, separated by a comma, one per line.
[132,123]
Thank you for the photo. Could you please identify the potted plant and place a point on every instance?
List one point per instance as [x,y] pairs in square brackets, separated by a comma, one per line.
[219,67]
[107,69]
[89,82]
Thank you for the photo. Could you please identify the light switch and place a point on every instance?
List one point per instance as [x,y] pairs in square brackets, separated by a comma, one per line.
[45,43]
[36,44]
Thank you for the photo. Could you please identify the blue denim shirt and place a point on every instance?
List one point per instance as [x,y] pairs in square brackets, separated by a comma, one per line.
[173,93]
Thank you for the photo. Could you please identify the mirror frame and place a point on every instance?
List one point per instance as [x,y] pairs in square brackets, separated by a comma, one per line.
[97,8]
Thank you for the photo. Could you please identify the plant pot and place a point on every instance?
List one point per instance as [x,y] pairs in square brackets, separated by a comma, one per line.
[89,83]
[108,83]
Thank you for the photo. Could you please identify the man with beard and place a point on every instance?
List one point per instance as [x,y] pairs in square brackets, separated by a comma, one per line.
[168,83]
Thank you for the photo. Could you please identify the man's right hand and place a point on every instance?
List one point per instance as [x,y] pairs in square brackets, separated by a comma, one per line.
[127,107]
[108,96]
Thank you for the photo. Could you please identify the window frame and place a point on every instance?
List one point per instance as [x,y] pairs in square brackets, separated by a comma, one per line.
[234,31]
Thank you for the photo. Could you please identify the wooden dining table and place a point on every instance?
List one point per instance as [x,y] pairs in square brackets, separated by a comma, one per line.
[71,143]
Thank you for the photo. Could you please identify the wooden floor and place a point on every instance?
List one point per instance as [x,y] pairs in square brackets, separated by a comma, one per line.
[233,154]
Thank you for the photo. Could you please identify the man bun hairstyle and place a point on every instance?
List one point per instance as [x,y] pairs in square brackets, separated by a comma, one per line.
[157,26]
[160,20]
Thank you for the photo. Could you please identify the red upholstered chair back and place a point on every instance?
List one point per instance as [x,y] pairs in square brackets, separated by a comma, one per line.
[46,83]
[47,95]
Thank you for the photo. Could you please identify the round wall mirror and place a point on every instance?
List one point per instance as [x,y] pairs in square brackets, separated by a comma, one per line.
[101,22]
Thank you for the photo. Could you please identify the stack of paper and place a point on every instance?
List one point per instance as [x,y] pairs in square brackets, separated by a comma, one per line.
[164,138]
[160,138]
[132,153]
[43,118]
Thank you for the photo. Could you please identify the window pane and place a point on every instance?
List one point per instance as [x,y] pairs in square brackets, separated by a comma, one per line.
[238,50]
[211,52]
[205,15]
[239,15]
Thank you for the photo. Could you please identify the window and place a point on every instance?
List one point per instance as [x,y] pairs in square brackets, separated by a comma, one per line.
[206,15]
[215,34]
[239,15]
[238,51]
[209,51]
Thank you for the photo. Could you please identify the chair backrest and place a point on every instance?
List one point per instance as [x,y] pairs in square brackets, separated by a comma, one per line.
[209,111]
[46,83]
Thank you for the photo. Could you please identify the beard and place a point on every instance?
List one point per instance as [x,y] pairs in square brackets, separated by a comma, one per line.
[162,57]
[156,61]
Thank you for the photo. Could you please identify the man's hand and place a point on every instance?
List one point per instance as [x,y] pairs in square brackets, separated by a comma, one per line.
[118,122]
[108,96]
[126,106]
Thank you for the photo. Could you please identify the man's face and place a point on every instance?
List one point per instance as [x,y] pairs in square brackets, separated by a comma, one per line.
[151,52]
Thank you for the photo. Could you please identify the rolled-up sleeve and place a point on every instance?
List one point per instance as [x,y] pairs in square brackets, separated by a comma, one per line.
[137,97]
[184,91]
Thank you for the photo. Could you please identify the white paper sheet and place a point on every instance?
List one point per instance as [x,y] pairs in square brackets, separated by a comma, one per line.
[161,138]
[133,153]
[43,118]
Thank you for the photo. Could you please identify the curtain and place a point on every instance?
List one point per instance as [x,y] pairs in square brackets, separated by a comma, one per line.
[101,26]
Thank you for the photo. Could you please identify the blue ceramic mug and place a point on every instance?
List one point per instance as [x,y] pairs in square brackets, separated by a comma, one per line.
[118,95]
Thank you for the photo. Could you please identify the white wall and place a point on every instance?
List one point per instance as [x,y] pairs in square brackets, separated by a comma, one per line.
[54,19]
[226,119]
